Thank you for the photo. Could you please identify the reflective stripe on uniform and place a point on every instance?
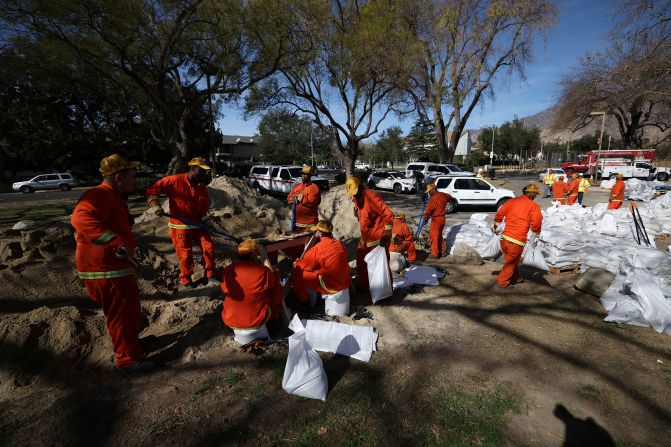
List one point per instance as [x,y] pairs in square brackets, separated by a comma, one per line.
[104,238]
[184,227]
[106,275]
[514,241]
[616,200]
[369,244]
[321,283]
[305,225]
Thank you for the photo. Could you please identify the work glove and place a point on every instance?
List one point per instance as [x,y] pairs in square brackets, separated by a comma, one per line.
[159,211]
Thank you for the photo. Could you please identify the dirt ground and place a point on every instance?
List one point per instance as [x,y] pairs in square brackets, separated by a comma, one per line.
[460,363]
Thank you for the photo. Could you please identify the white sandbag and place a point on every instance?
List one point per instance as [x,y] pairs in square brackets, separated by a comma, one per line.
[379,280]
[493,247]
[607,225]
[424,275]
[397,261]
[533,257]
[337,304]
[244,336]
[358,342]
[304,373]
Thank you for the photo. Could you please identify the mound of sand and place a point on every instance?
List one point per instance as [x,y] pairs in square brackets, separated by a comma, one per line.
[337,207]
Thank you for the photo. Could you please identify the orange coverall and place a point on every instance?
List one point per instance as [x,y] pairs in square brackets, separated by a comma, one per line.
[435,209]
[559,190]
[573,191]
[401,232]
[375,222]
[252,294]
[616,195]
[101,222]
[323,269]
[521,214]
[307,208]
[192,203]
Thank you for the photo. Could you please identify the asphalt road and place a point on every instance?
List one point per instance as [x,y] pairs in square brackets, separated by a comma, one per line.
[17,197]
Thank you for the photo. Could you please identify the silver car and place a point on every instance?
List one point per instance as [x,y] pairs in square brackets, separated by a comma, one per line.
[63,181]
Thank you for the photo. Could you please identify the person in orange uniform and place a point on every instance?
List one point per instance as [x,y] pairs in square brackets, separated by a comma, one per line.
[252,291]
[105,259]
[616,193]
[307,197]
[375,222]
[188,198]
[435,209]
[573,189]
[324,266]
[559,190]
[521,214]
[401,238]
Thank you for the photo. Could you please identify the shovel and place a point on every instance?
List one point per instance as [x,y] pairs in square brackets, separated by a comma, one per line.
[204,227]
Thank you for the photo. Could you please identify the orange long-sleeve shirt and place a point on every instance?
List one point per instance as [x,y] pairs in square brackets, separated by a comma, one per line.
[328,259]
[559,190]
[617,192]
[307,208]
[186,200]
[436,205]
[102,225]
[401,232]
[375,217]
[521,214]
[573,187]
[248,288]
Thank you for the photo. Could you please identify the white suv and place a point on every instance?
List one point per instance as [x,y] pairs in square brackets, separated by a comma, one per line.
[466,190]
[63,181]
[280,179]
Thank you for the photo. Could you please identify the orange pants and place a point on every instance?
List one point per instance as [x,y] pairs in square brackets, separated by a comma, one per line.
[120,300]
[183,241]
[614,205]
[362,267]
[572,199]
[561,201]
[436,236]
[410,253]
[511,254]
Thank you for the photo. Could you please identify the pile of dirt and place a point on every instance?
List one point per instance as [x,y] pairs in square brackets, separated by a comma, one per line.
[337,207]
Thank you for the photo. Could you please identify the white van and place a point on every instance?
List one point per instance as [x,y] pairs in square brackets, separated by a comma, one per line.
[434,170]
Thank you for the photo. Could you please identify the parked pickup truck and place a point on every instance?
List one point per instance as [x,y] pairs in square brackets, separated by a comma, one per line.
[280,179]
[638,169]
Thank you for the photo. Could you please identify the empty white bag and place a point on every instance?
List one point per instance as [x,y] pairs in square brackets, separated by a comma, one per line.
[533,257]
[379,280]
[304,373]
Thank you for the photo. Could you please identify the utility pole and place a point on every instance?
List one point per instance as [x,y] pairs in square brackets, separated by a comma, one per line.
[312,148]
[598,154]
[491,154]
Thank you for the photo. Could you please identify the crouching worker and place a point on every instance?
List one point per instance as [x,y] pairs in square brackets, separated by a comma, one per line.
[402,246]
[324,269]
[252,295]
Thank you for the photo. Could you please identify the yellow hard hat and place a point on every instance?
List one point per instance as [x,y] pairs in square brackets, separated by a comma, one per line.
[307,170]
[115,163]
[430,187]
[247,247]
[198,161]
[352,185]
[324,226]
[400,215]
[619,176]
[531,187]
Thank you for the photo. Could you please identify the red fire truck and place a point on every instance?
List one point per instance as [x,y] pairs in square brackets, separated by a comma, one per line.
[586,162]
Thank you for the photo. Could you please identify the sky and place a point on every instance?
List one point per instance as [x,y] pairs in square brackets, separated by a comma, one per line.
[581,28]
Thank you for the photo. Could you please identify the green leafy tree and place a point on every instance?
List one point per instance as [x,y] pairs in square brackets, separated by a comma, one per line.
[389,147]
[421,141]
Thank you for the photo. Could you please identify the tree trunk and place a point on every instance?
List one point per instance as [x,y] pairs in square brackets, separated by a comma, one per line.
[440,132]
[351,152]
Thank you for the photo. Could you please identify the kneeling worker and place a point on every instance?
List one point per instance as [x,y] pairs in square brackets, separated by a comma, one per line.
[401,238]
[252,295]
[324,266]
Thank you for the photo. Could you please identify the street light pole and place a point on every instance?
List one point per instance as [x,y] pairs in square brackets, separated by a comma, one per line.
[312,149]
[491,154]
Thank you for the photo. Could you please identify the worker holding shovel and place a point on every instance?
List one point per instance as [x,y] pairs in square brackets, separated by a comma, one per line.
[304,198]
[188,201]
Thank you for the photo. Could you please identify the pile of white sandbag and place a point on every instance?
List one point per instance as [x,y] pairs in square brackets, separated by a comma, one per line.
[636,189]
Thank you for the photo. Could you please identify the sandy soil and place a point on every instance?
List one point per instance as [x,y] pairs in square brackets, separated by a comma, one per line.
[542,336]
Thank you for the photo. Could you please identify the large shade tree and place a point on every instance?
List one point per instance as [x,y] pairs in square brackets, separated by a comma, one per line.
[469,49]
[164,58]
[359,54]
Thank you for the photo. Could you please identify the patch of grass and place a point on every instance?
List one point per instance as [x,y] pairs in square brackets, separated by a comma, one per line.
[464,418]
[275,363]
[206,386]
[234,376]
[589,390]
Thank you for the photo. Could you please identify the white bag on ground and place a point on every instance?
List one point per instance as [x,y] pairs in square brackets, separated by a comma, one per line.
[304,373]
[379,280]
[533,257]
[337,304]
[358,342]
[396,261]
